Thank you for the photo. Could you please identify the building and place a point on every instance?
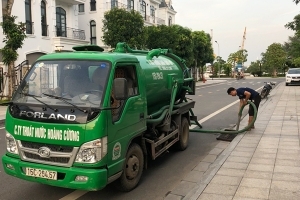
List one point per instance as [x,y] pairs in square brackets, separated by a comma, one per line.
[91,15]
[58,25]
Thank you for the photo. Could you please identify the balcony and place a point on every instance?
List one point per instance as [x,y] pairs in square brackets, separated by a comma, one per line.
[71,2]
[45,30]
[156,1]
[160,21]
[70,33]
[29,27]
[69,37]
[115,4]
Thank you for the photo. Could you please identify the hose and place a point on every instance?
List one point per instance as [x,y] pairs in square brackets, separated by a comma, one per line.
[238,124]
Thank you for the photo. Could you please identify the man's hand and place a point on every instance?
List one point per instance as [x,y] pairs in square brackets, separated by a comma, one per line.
[245,102]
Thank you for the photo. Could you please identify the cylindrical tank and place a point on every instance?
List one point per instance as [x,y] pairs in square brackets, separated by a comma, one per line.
[158,73]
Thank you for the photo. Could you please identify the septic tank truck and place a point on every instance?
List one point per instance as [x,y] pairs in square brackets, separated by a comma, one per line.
[86,118]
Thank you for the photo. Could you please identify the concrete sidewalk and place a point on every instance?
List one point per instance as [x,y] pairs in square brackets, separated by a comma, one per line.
[263,163]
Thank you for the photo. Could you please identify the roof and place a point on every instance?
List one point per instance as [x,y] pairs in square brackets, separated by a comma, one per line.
[164,5]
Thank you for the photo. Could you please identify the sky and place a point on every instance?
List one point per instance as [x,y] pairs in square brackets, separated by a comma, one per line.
[226,21]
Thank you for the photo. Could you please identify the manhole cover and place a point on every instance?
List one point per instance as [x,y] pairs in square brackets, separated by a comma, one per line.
[227,137]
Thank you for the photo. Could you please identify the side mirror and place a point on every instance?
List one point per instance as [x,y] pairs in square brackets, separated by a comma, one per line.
[120,89]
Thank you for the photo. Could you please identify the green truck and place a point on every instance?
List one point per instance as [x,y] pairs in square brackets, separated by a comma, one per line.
[86,118]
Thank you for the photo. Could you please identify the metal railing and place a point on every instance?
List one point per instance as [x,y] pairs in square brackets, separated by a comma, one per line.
[29,27]
[70,33]
[160,21]
[116,4]
[45,31]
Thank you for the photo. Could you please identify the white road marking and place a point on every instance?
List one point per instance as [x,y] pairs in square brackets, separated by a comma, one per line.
[74,195]
[2,128]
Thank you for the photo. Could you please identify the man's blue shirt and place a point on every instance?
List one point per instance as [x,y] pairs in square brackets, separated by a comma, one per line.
[240,93]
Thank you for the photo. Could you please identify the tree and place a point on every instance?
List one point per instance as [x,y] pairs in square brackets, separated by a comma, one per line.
[294,25]
[175,37]
[14,35]
[296,1]
[120,25]
[274,58]
[203,52]
[254,68]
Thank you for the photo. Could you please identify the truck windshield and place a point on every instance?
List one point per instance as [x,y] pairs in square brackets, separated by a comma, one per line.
[81,83]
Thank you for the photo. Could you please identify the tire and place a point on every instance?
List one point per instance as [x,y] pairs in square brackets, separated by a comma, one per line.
[286,84]
[133,169]
[263,93]
[184,135]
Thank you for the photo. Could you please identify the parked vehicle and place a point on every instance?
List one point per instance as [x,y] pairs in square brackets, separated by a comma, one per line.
[292,76]
[87,118]
[266,89]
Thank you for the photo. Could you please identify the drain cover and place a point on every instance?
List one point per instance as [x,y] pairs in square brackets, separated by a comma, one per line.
[226,137]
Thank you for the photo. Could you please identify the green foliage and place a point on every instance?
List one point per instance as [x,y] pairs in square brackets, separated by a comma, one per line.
[14,37]
[296,1]
[255,68]
[120,25]
[175,37]
[203,51]
[294,25]
[274,58]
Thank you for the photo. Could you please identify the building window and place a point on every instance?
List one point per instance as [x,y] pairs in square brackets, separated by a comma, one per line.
[143,9]
[93,5]
[44,19]
[170,21]
[28,18]
[152,11]
[114,4]
[61,26]
[93,32]
[130,4]
[81,7]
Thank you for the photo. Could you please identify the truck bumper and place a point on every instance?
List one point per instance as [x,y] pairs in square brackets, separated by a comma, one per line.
[97,178]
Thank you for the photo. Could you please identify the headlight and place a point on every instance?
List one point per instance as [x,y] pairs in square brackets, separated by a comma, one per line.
[11,144]
[288,76]
[92,152]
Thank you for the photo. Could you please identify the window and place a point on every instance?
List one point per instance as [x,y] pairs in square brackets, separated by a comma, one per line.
[143,9]
[170,21]
[44,19]
[152,11]
[114,4]
[28,18]
[130,4]
[61,29]
[93,5]
[93,32]
[81,7]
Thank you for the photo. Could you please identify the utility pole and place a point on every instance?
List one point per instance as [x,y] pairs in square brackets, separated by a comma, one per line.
[219,57]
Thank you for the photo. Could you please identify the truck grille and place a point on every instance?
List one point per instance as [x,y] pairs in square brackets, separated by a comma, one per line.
[58,155]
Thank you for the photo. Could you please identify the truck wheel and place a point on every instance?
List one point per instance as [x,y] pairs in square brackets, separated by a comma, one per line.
[133,169]
[183,142]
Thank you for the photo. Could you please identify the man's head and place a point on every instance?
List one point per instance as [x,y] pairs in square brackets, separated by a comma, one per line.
[231,91]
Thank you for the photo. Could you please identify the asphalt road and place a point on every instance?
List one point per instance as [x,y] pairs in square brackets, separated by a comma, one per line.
[162,174]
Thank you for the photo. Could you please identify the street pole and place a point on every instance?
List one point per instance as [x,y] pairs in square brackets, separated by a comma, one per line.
[218,56]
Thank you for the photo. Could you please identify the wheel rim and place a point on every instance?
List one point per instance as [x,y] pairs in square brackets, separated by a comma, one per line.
[132,167]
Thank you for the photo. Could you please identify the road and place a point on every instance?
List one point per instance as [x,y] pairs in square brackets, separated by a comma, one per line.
[162,174]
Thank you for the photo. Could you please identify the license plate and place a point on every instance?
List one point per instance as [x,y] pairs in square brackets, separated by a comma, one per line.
[41,173]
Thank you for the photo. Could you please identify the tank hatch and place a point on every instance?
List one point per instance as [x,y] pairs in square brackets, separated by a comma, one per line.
[88,48]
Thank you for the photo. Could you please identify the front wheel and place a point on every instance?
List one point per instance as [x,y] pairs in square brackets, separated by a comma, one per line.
[263,93]
[133,169]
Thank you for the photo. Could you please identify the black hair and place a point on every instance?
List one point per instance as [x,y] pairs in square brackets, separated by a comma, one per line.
[230,90]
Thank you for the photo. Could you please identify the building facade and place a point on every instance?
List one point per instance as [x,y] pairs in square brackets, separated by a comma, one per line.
[91,15]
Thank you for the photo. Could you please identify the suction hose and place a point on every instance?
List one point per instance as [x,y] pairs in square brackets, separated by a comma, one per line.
[238,124]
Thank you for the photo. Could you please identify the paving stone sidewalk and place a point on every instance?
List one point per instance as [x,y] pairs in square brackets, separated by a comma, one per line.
[263,163]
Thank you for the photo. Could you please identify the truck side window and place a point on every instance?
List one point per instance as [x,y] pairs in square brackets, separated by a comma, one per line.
[128,72]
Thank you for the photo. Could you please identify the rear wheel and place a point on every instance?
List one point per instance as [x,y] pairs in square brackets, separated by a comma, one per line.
[263,93]
[133,169]
[183,142]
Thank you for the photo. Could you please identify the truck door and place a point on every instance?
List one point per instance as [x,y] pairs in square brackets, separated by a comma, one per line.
[128,117]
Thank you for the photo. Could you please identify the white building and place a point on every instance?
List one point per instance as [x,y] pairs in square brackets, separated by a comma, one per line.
[50,25]
[91,15]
